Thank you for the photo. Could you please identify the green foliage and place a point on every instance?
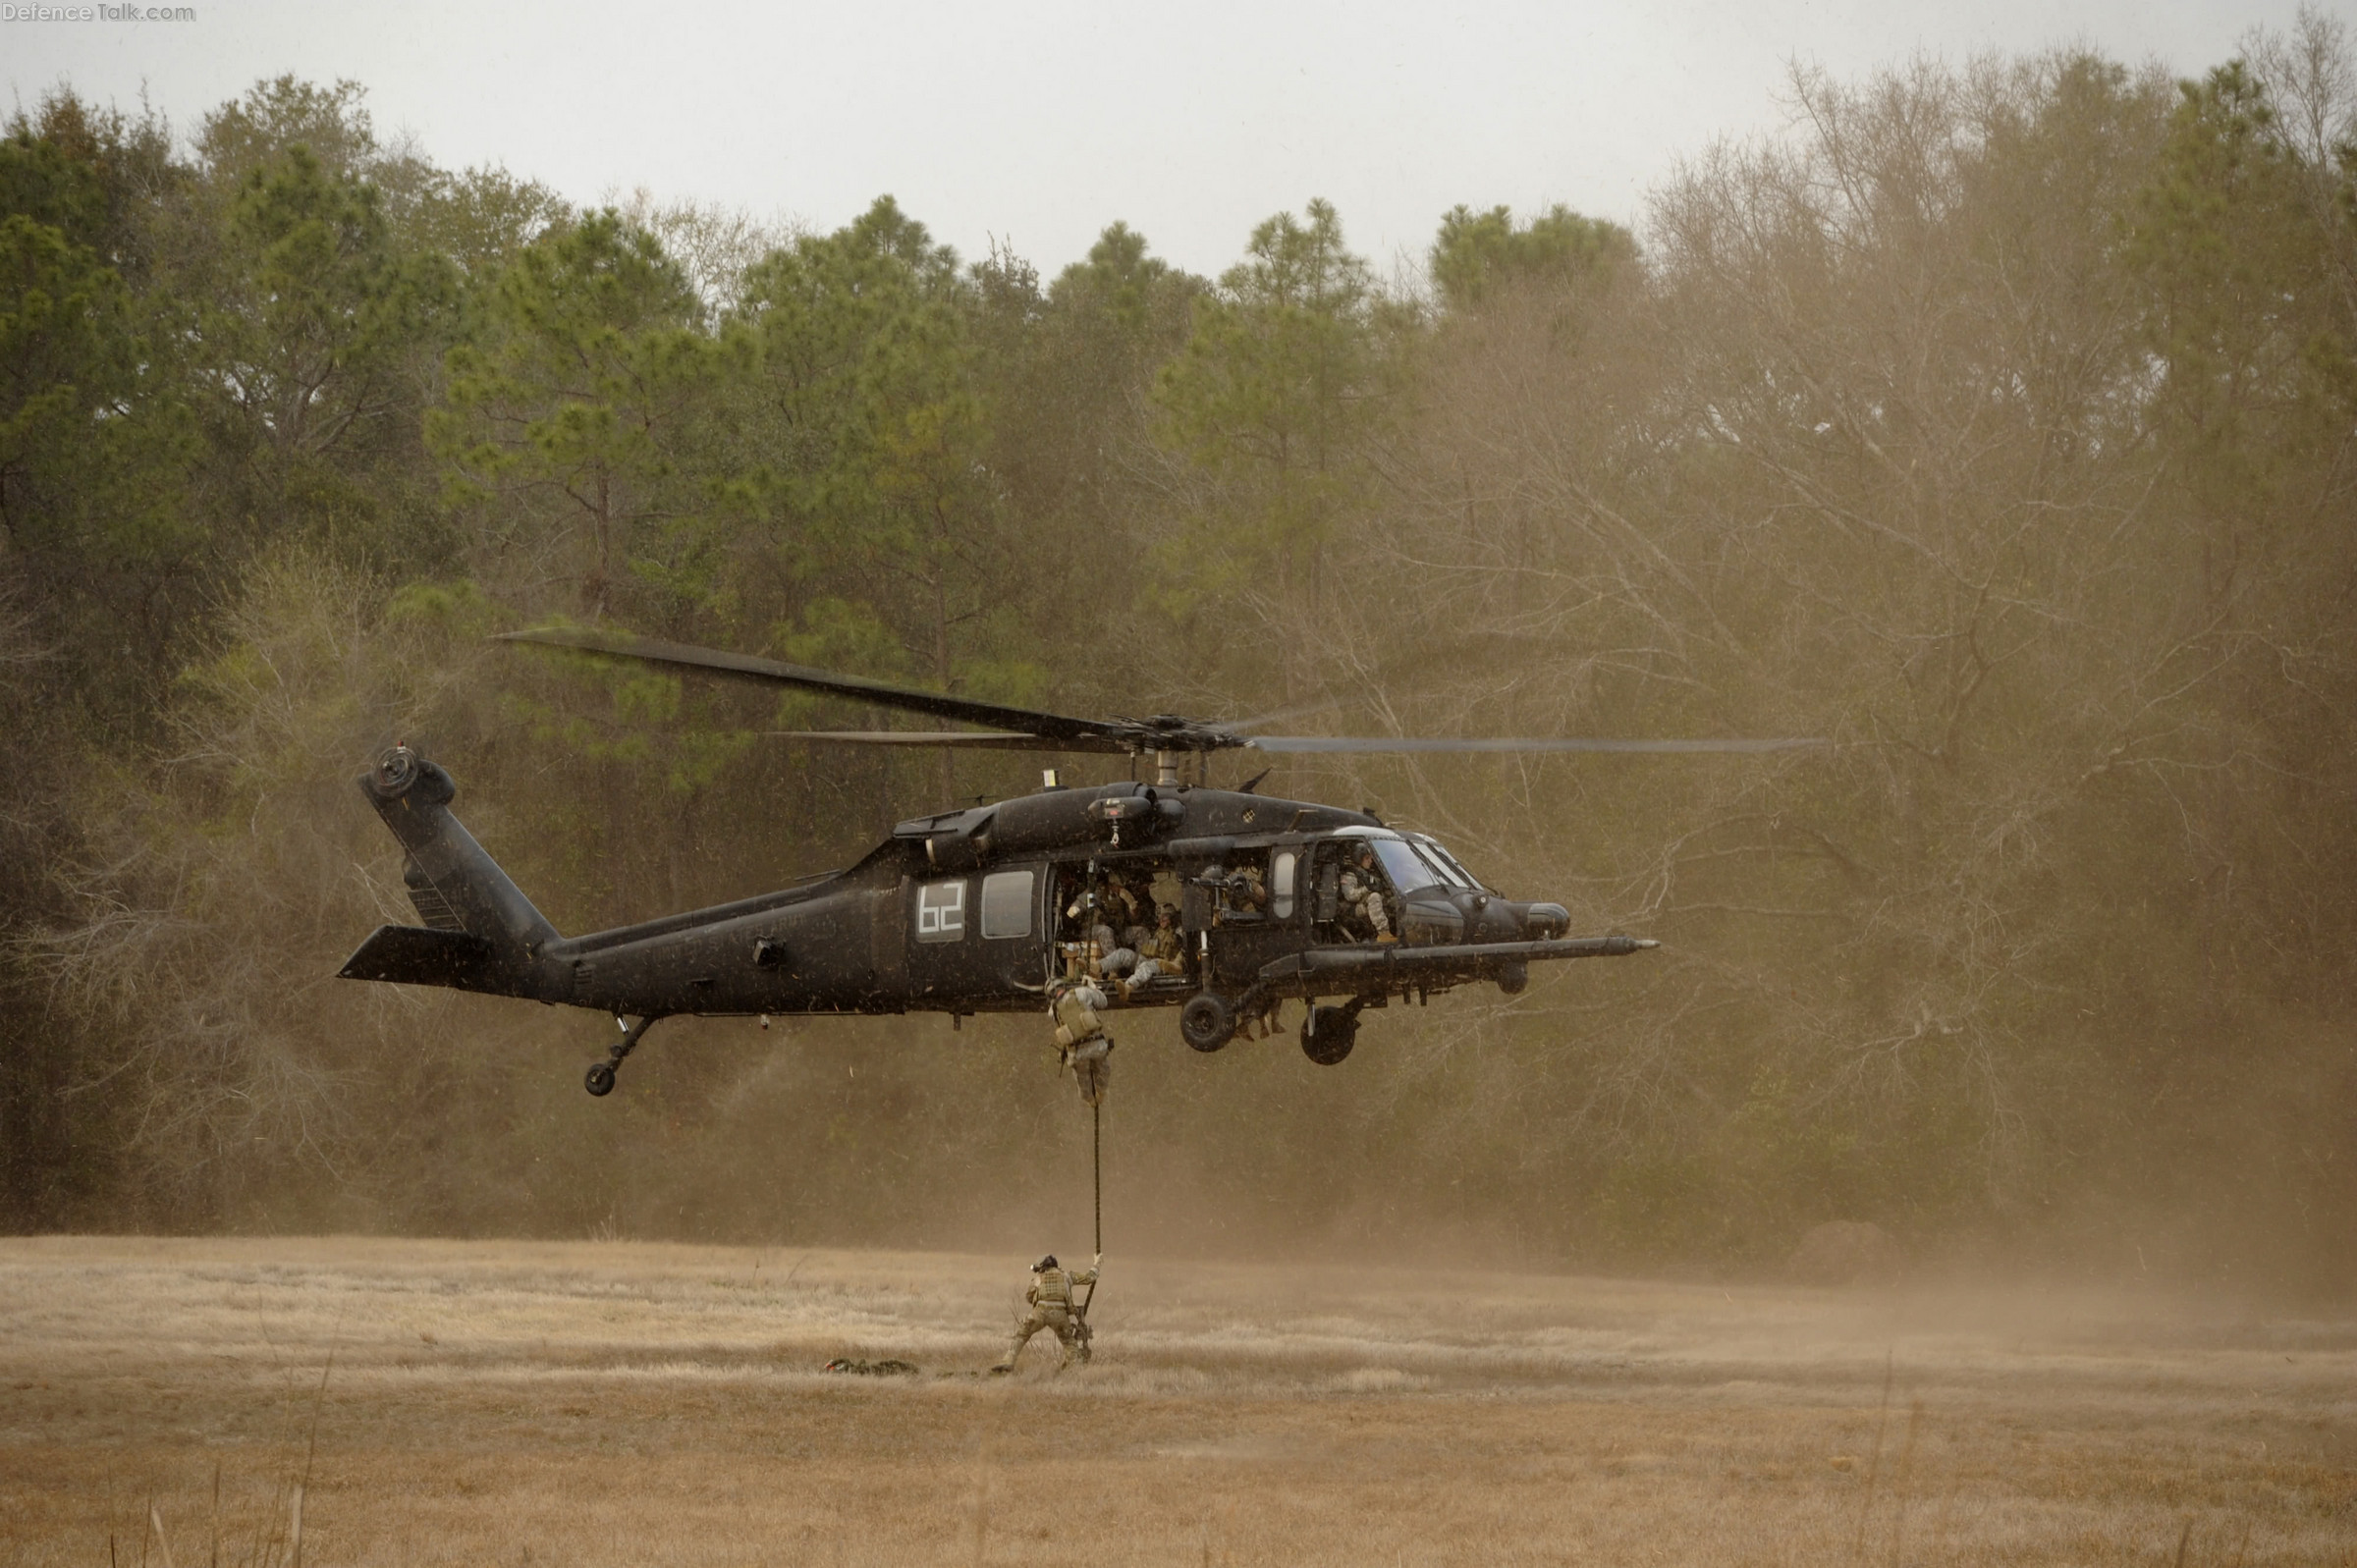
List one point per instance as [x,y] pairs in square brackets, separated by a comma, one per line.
[2249,277]
[1275,399]
[284,113]
[68,376]
[1134,302]
[1479,254]
[92,447]
[315,333]
[568,424]
[868,393]
[95,174]
[479,219]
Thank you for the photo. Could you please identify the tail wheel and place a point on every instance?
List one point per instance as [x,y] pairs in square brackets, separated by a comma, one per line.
[1328,1034]
[1207,1021]
[599,1079]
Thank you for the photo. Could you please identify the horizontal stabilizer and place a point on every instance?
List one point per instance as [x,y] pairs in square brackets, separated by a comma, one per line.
[412,956]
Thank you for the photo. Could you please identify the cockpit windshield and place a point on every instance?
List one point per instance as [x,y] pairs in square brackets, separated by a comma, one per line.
[1407,870]
[1447,864]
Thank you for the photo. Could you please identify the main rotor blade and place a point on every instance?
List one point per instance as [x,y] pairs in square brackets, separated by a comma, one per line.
[1502,743]
[977,740]
[1279,715]
[770,672]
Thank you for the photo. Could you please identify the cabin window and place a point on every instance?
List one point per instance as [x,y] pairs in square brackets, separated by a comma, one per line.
[1007,904]
[1281,883]
[941,911]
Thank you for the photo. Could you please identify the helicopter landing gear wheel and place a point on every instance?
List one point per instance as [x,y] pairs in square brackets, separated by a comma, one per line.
[1328,1034]
[599,1079]
[1207,1021]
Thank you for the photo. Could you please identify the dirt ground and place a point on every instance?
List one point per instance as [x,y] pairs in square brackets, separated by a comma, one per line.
[592,1403]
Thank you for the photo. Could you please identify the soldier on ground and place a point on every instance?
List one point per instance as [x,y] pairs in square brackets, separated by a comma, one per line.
[1051,1305]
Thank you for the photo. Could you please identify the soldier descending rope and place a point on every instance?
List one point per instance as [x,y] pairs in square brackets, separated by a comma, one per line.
[1076,1005]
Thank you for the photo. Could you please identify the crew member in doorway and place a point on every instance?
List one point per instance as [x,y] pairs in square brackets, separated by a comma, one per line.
[1050,1305]
[1085,1050]
[1128,914]
[1244,893]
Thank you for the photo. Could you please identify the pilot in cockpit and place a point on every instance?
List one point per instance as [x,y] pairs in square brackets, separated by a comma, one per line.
[1365,914]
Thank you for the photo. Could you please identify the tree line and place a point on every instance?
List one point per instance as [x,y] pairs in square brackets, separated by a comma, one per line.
[1992,422]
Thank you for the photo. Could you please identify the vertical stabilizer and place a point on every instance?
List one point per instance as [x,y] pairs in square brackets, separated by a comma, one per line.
[459,888]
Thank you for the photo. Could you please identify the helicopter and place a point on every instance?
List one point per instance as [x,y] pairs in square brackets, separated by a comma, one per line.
[983,909]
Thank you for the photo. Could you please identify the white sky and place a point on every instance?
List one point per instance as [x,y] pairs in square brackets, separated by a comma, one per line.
[1041,123]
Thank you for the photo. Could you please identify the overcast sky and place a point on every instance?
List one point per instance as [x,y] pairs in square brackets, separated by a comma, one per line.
[1039,123]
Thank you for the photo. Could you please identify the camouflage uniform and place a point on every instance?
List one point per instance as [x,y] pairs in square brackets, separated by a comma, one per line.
[1080,1037]
[1163,952]
[1362,898]
[1112,959]
[1126,913]
[1051,1305]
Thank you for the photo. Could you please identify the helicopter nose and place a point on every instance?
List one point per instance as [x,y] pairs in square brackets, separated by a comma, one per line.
[1546,921]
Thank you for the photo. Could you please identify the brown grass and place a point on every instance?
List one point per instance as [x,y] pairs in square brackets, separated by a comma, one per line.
[609,1402]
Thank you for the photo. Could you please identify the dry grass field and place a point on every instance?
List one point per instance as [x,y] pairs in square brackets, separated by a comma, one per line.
[598,1403]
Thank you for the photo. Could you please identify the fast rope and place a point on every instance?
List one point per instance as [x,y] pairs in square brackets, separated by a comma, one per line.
[1096,1168]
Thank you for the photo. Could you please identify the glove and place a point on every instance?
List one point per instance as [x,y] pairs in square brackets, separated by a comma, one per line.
[1098,1259]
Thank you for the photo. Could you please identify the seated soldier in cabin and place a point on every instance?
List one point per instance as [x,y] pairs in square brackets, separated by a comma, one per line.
[1162,955]
[1113,961]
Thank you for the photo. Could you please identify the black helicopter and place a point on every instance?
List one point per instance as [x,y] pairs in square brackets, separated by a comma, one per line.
[980,910]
